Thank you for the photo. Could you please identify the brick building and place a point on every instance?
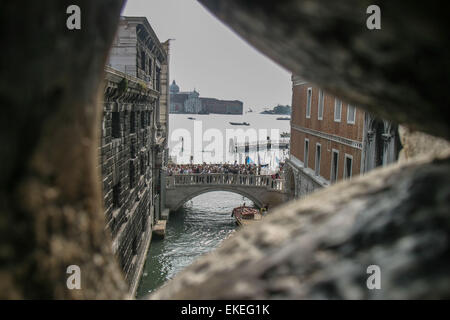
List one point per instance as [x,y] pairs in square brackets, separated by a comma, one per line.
[134,141]
[332,140]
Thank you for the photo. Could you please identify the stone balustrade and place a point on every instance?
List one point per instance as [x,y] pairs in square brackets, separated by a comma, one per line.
[225,179]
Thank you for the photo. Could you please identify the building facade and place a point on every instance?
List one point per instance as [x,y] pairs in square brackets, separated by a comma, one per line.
[191,102]
[134,141]
[332,140]
[212,105]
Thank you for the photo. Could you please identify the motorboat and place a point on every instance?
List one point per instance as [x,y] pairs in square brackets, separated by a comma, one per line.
[239,123]
[246,215]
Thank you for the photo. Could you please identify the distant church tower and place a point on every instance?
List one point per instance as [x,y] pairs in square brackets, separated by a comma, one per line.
[174,88]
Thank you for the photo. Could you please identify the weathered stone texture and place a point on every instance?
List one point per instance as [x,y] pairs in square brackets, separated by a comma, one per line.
[50,194]
[127,158]
[417,143]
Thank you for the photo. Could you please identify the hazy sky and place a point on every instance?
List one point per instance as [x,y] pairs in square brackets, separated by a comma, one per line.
[208,56]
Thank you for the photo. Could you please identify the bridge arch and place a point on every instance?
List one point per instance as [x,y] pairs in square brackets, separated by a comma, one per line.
[261,189]
[197,192]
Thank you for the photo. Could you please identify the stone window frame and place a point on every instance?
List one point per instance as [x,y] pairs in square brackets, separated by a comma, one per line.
[337,102]
[346,176]
[351,121]
[320,104]
[333,152]
[309,93]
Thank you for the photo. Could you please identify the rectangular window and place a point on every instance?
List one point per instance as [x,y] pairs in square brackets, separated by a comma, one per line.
[116,195]
[348,166]
[337,109]
[158,79]
[143,60]
[351,114]
[132,122]
[141,166]
[132,150]
[334,166]
[318,155]
[320,106]
[132,175]
[308,102]
[306,155]
[115,124]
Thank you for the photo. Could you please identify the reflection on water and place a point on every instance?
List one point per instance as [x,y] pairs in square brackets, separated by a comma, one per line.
[200,226]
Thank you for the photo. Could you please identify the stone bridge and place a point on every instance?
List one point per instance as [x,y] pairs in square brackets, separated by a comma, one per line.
[261,189]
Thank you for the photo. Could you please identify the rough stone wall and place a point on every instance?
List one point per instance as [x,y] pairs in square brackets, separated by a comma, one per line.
[50,187]
[417,143]
[302,184]
[126,160]
[305,185]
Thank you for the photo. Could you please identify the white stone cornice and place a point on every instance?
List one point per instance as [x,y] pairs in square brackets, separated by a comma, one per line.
[345,141]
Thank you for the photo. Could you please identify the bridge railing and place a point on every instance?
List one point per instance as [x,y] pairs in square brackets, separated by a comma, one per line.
[265,181]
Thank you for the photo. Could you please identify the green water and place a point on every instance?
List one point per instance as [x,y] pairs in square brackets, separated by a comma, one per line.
[200,226]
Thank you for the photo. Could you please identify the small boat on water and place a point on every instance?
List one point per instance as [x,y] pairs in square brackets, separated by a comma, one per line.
[284,118]
[246,215]
[239,123]
[190,118]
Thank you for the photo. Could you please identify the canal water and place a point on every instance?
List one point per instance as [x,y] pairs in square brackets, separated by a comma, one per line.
[197,228]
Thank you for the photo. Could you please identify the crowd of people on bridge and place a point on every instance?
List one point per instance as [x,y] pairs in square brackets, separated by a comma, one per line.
[241,169]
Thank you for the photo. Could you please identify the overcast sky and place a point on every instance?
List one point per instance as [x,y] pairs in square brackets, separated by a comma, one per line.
[209,57]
